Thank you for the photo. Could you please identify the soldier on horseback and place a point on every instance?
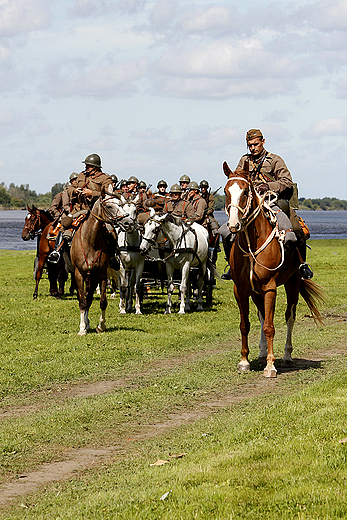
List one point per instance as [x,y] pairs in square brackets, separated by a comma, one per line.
[81,195]
[269,173]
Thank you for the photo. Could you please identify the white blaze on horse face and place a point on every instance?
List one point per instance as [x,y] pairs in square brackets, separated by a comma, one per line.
[235,193]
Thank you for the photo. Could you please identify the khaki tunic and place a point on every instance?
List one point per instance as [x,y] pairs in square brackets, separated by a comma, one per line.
[95,182]
[273,171]
[181,208]
[209,199]
[160,201]
[199,208]
[56,205]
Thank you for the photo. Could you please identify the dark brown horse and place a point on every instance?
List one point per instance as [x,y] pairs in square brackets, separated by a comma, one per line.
[90,256]
[35,221]
[258,266]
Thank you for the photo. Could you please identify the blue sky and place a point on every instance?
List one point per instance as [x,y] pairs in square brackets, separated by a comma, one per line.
[163,88]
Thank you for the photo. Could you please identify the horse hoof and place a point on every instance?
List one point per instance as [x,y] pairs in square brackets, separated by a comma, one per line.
[262,361]
[168,312]
[287,363]
[243,367]
[270,372]
[100,329]
[138,313]
[82,333]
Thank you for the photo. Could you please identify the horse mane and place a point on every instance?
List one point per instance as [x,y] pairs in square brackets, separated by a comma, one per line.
[174,220]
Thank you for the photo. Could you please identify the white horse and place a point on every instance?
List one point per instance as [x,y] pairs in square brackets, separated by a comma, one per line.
[132,263]
[190,249]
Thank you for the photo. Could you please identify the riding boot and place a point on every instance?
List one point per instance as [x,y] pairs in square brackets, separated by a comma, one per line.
[54,256]
[306,272]
[227,243]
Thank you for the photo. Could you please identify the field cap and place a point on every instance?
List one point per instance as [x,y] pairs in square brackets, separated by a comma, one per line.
[253,134]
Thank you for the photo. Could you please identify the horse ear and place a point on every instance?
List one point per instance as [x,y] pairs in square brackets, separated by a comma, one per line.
[226,169]
[123,200]
[152,213]
[103,192]
[110,189]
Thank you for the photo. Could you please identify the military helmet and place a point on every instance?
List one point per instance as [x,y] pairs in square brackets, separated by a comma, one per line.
[66,185]
[123,182]
[175,188]
[133,179]
[93,160]
[193,186]
[114,177]
[162,183]
[142,184]
[185,178]
[73,176]
[204,184]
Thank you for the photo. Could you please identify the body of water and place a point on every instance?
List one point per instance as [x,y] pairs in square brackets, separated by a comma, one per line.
[322,225]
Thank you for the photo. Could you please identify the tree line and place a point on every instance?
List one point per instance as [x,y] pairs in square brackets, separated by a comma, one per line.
[17,197]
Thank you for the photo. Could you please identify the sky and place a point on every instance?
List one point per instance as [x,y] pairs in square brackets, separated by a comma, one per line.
[170,87]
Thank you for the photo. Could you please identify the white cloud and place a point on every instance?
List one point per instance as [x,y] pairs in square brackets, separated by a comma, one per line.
[78,78]
[163,13]
[22,16]
[326,127]
[331,15]
[217,20]
[89,8]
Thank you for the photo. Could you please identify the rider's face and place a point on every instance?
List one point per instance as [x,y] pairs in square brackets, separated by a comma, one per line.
[184,185]
[175,196]
[256,146]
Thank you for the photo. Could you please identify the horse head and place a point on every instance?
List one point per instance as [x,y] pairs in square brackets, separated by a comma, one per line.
[152,230]
[31,224]
[112,211]
[239,194]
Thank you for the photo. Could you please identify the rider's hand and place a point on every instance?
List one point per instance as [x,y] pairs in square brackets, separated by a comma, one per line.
[262,188]
[87,192]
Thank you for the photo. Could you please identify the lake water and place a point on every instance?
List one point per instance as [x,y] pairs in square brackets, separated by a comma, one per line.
[322,224]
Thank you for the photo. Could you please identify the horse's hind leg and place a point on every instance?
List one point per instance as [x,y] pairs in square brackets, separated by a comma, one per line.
[259,303]
[84,322]
[184,306]
[170,288]
[292,291]
[269,330]
[200,287]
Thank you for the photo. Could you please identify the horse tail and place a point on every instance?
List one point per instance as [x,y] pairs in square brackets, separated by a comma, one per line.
[313,295]
[213,269]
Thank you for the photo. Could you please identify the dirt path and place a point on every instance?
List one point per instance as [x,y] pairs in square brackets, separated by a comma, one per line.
[81,459]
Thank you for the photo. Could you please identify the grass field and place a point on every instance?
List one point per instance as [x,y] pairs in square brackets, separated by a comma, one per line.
[83,418]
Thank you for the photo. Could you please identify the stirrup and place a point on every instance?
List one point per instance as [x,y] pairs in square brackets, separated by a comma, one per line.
[306,272]
[53,257]
[226,276]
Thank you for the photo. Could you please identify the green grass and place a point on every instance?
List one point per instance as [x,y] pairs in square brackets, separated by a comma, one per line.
[274,454]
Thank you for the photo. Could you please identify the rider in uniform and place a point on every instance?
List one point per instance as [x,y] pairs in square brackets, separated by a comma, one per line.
[198,203]
[270,173]
[184,181]
[132,189]
[87,187]
[160,197]
[209,199]
[177,206]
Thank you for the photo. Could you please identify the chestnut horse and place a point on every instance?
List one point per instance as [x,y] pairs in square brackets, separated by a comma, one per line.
[90,256]
[258,266]
[38,222]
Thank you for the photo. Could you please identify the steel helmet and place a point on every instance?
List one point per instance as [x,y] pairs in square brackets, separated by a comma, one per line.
[93,160]
[162,183]
[114,177]
[133,179]
[142,184]
[175,188]
[185,178]
[193,186]
[204,184]
[73,176]
[123,182]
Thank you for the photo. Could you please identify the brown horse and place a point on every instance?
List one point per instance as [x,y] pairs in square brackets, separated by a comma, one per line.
[258,266]
[90,256]
[38,223]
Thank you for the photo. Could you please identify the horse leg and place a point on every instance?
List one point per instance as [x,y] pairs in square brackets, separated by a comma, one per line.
[38,276]
[200,287]
[170,288]
[130,284]
[292,291]
[269,331]
[259,303]
[183,289]
[84,322]
[122,291]
[101,327]
[139,270]
[243,303]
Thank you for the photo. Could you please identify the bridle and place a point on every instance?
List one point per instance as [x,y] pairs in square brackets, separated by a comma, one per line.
[36,223]
[108,217]
[247,218]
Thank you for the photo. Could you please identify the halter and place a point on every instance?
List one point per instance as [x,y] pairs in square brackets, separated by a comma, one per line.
[244,211]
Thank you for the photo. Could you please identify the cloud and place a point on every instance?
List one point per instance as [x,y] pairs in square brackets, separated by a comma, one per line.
[326,127]
[21,16]
[163,13]
[341,88]
[216,20]
[278,116]
[89,8]
[330,15]
[77,78]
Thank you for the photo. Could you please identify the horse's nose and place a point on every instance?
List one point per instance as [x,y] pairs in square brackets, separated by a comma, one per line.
[237,226]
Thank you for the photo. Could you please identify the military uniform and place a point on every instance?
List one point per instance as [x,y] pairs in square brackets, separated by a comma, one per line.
[160,200]
[56,206]
[199,208]
[211,222]
[181,208]
[95,182]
